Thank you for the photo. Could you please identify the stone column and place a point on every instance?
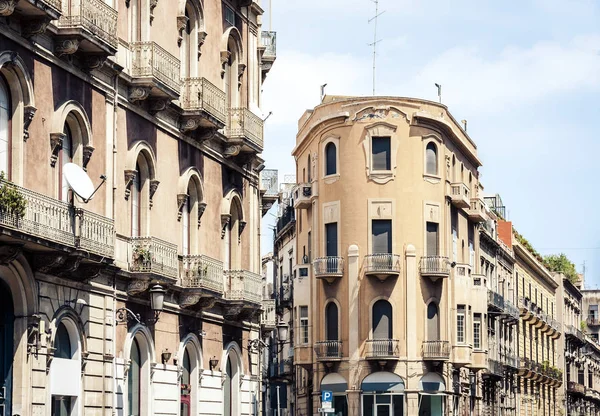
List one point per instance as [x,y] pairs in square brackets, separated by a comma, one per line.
[414,368]
[353,402]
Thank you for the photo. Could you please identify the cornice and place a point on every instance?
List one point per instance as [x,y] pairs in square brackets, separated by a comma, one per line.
[524,254]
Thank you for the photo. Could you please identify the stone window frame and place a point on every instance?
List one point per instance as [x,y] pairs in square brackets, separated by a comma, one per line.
[438,142]
[390,300]
[329,179]
[336,213]
[381,129]
[339,319]
[372,215]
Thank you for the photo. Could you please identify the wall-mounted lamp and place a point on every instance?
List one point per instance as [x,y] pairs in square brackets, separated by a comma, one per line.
[213,362]
[165,356]
[157,299]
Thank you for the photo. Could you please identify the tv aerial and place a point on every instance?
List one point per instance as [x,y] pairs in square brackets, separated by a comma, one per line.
[79,181]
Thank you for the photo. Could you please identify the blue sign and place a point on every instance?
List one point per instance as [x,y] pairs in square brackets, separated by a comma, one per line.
[326,396]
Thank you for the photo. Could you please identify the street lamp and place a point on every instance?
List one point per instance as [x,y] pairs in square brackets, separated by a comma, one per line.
[157,299]
[282,332]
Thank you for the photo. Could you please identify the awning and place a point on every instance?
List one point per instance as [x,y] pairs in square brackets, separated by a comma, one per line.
[432,383]
[382,381]
[335,383]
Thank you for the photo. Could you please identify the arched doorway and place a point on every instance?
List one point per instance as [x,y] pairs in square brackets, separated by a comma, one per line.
[383,394]
[7,317]
[231,387]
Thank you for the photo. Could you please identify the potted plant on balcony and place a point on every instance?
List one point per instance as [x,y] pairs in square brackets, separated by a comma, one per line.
[142,257]
[12,202]
[202,270]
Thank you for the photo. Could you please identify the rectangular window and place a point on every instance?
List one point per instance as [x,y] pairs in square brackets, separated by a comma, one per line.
[382,236]
[460,324]
[229,15]
[432,239]
[477,331]
[381,153]
[331,243]
[303,324]
[593,312]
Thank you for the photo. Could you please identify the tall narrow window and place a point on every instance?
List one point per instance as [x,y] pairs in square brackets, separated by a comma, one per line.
[382,320]
[5,128]
[185,223]
[432,239]
[471,245]
[186,386]
[136,203]
[433,322]
[135,21]
[133,380]
[227,388]
[477,331]
[331,237]
[66,156]
[381,150]
[308,169]
[331,322]
[460,324]
[431,159]
[454,227]
[382,236]
[304,324]
[330,159]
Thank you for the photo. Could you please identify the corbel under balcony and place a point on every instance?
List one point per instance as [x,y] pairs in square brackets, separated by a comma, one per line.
[32,10]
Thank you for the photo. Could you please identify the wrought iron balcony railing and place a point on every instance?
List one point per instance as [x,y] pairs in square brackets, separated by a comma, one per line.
[149,60]
[202,272]
[382,348]
[93,16]
[269,41]
[382,263]
[436,350]
[244,124]
[328,350]
[152,255]
[328,266]
[495,367]
[435,266]
[243,285]
[268,317]
[495,299]
[201,94]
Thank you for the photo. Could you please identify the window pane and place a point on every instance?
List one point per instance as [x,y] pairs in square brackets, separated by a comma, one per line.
[368,405]
[332,322]
[477,331]
[381,153]
[431,166]
[382,320]
[432,239]
[331,236]
[382,236]
[304,324]
[66,156]
[330,159]
[133,380]
[460,324]
[135,203]
[62,343]
[433,328]
[186,227]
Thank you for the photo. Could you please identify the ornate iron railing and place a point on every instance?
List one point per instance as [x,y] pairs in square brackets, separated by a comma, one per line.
[243,123]
[201,94]
[150,60]
[269,41]
[495,299]
[382,262]
[381,348]
[268,317]
[324,266]
[510,360]
[436,350]
[328,349]
[202,272]
[152,255]
[495,367]
[95,16]
[243,285]
[97,234]
[435,265]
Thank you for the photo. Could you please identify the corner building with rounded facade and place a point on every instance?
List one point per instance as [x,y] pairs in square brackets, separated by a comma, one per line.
[388,226]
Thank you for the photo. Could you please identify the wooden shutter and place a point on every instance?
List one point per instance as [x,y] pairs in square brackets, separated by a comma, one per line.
[433,329]
[382,320]
[432,239]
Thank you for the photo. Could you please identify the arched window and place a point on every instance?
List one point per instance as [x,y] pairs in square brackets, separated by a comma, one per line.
[186,385]
[382,320]
[135,20]
[189,42]
[134,378]
[227,391]
[7,319]
[66,365]
[433,322]
[62,343]
[230,76]
[185,227]
[5,128]
[65,156]
[136,208]
[330,159]
[231,387]
[431,159]
[234,249]
[331,322]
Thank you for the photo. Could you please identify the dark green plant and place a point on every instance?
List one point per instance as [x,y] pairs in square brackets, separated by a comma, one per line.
[560,263]
[142,255]
[12,201]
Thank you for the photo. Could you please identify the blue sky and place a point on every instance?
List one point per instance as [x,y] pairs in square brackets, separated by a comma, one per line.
[526,76]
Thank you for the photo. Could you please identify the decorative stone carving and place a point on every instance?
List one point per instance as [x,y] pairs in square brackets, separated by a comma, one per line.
[8,253]
[225,218]
[56,142]
[158,104]
[87,154]
[241,229]
[225,55]
[34,336]
[201,39]
[153,4]
[28,113]
[35,27]
[49,356]
[92,62]
[188,299]
[205,135]
[189,123]
[201,209]
[182,22]
[153,187]
[232,312]
[241,69]
[208,302]
[232,150]
[139,93]
[130,175]
[181,200]
[7,7]
[135,287]
[66,47]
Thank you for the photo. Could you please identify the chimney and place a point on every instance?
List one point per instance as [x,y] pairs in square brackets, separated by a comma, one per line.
[505,232]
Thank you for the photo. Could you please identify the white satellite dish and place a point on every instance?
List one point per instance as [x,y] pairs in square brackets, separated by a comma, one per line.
[79,181]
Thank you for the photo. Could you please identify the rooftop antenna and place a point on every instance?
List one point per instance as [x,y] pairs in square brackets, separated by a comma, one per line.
[323,91]
[375,40]
[439,88]
[464,122]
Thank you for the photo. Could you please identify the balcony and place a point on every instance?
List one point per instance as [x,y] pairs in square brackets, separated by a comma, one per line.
[495,301]
[476,211]
[460,195]
[328,268]
[436,350]
[593,321]
[48,222]
[245,130]
[302,195]
[435,267]
[153,257]
[571,332]
[88,27]
[479,360]
[154,74]
[382,349]
[511,313]
[495,368]
[532,313]
[575,388]
[203,105]
[328,350]
[269,43]
[242,285]
[269,190]
[267,316]
[382,265]
[202,273]
[34,11]
[511,361]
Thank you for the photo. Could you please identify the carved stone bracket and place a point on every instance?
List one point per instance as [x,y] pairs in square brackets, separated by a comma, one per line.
[33,334]
[84,361]
[139,93]
[241,69]
[188,299]
[49,356]
[189,123]
[232,150]
[153,187]
[201,209]
[44,263]
[130,175]
[28,113]
[201,39]
[56,142]
[8,253]
[7,7]
[157,105]
[126,367]
[225,218]
[66,46]
[208,302]
[182,22]
[153,367]
[241,229]
[87,154]
[181,200]
[232,312]
[205,134]
[153,4]
[200,375]
[136,287]
[224,59]
[92,62]
[35,27]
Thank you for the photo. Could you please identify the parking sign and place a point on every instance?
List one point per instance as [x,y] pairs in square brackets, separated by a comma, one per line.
[326,399]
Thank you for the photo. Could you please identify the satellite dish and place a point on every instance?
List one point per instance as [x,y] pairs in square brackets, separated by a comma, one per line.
[79,181]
